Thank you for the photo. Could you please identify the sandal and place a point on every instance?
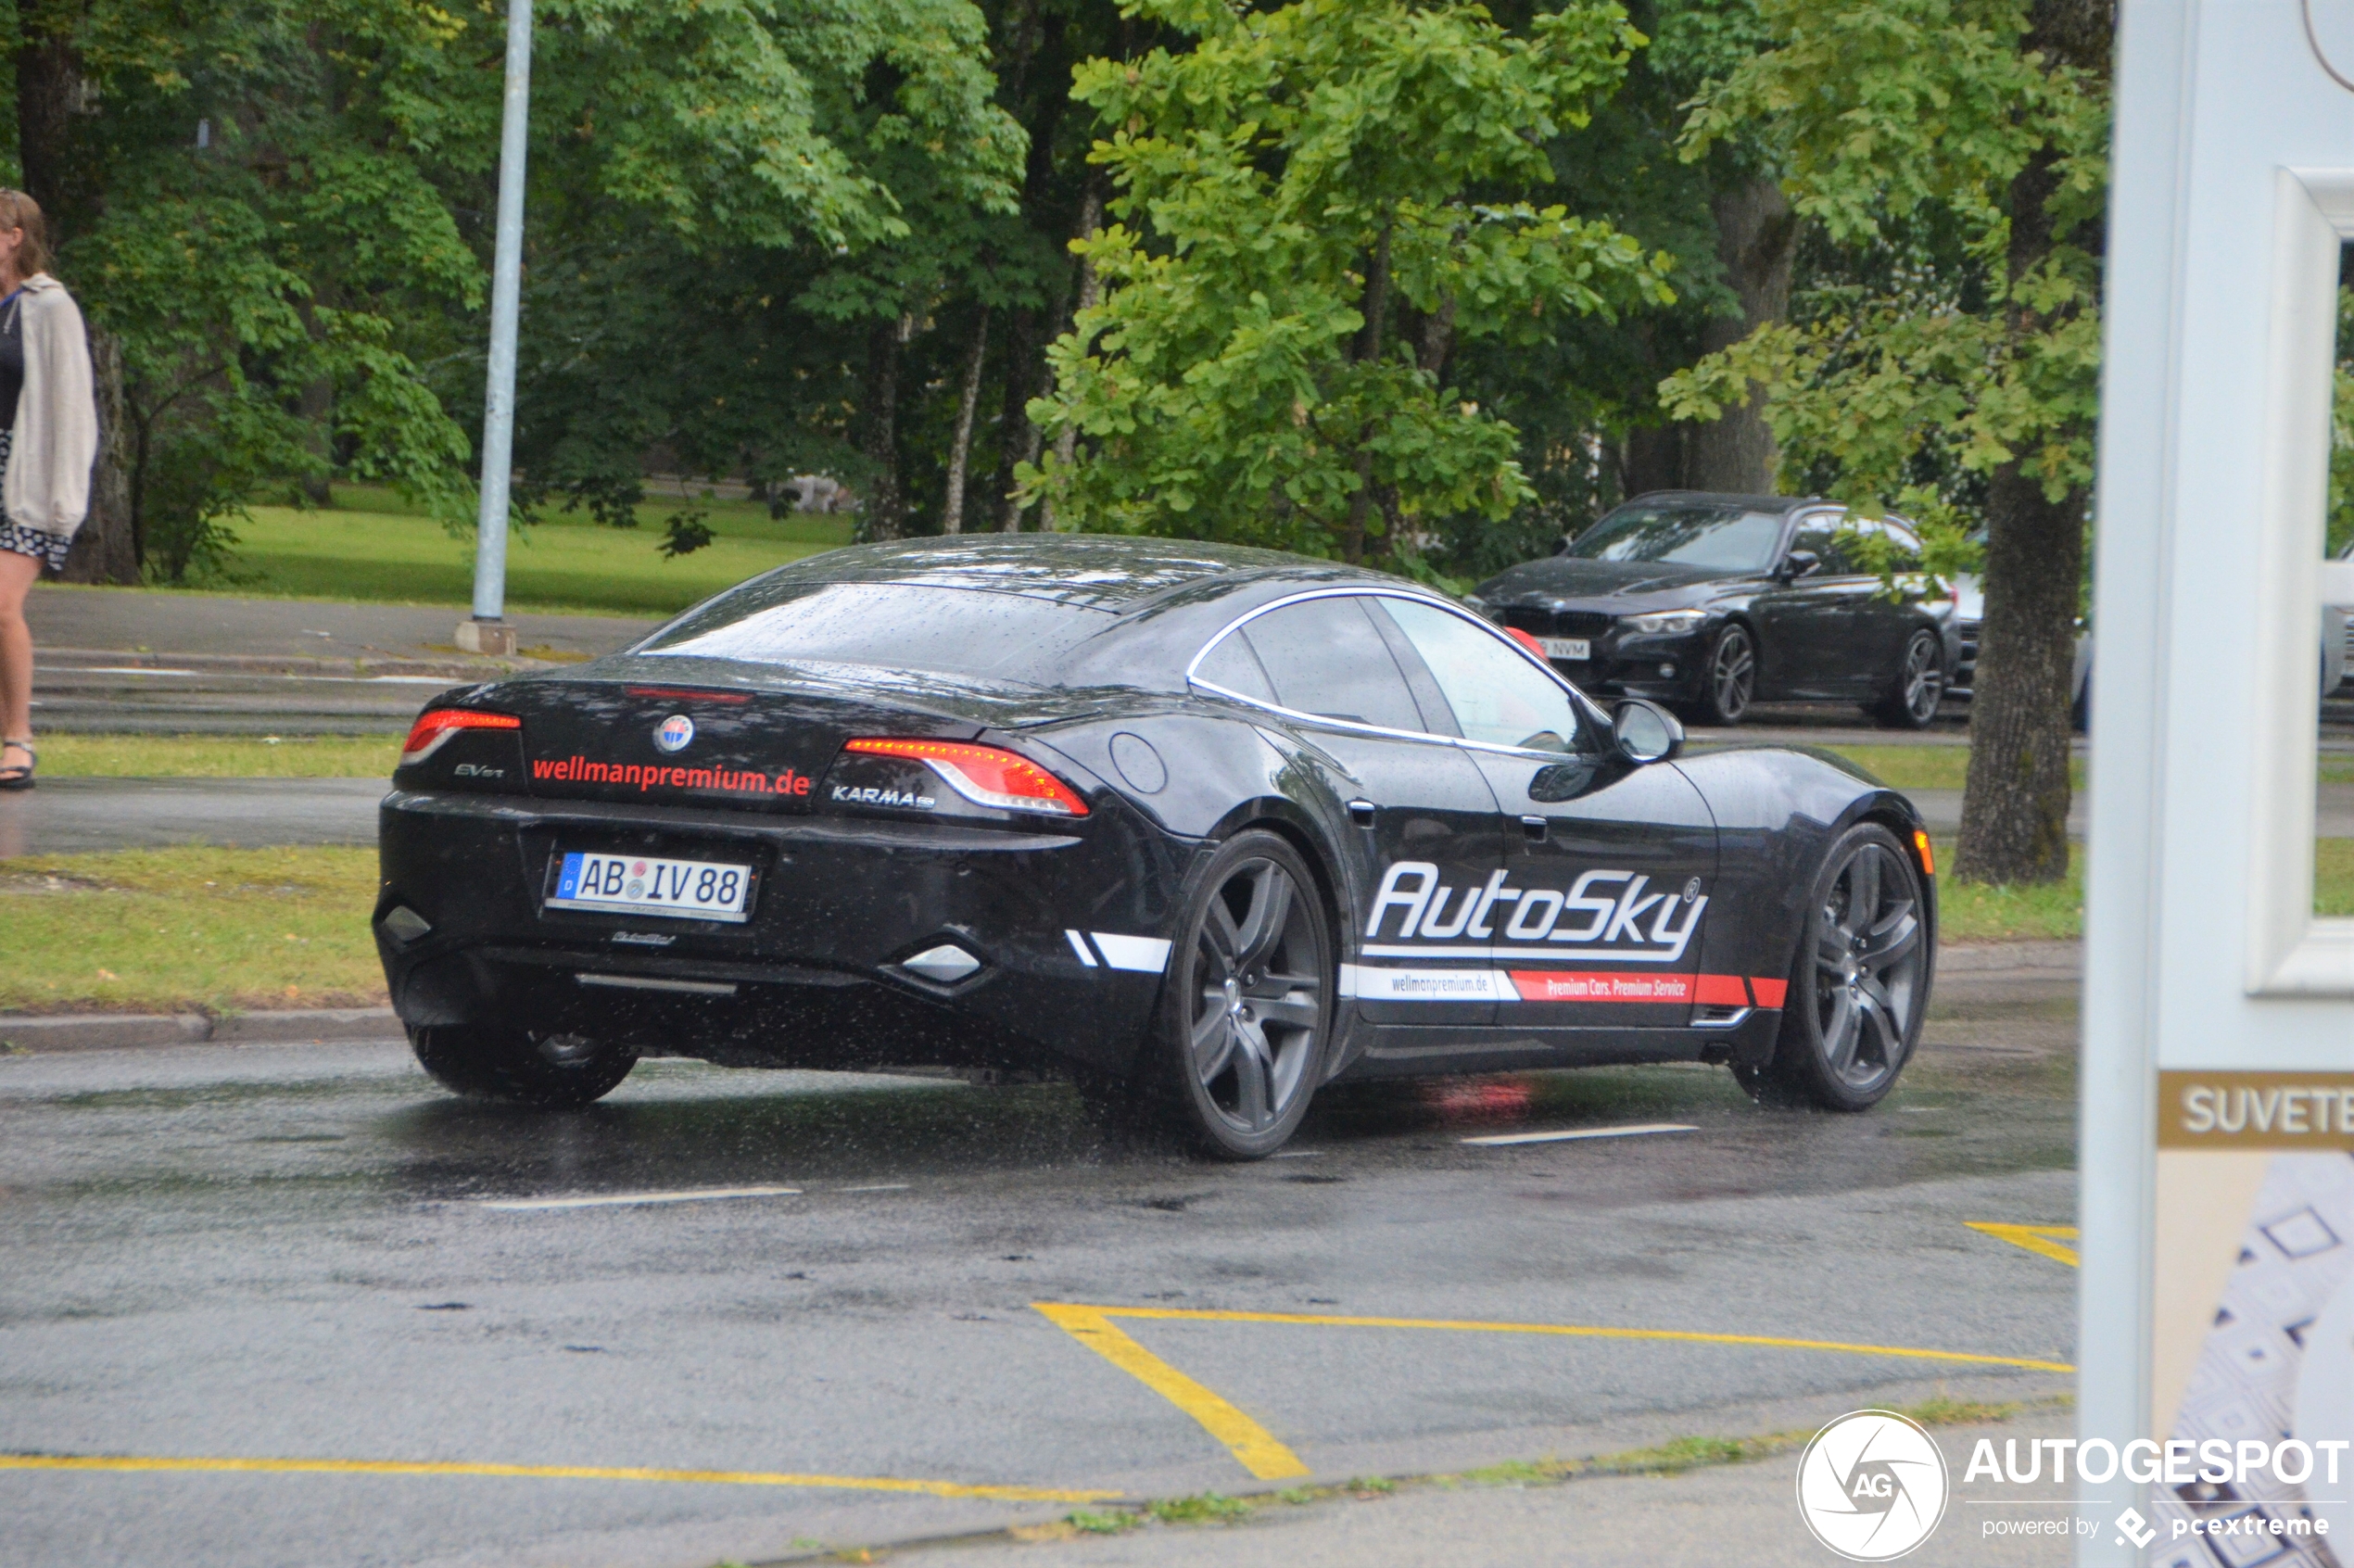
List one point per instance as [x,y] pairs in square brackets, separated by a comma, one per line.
[18,777]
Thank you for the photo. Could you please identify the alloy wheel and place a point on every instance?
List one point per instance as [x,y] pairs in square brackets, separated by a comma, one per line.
[1732,673]
[1868,964]
[1255,994]
[1923,683]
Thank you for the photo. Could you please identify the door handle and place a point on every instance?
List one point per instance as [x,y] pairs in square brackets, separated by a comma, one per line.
[1534,828]
[1361,813]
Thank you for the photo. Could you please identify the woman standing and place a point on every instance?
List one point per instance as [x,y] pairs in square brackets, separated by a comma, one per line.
[48,435]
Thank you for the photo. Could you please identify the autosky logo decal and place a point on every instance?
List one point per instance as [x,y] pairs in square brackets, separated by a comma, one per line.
[674,732]
[1872,1486]
[1609,914]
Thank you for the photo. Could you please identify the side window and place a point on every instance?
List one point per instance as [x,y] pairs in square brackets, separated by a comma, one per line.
[1324,657]
[1820,534]
[1497,695]
[1902,545]
[1231,664]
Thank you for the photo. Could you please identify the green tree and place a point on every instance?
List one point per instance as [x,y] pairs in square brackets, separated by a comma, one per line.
[1986,119]
[1314,203]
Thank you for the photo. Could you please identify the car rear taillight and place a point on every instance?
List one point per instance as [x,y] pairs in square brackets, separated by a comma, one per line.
[984,774]
[435,726]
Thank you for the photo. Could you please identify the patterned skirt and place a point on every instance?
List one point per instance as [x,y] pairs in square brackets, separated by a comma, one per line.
[17,540]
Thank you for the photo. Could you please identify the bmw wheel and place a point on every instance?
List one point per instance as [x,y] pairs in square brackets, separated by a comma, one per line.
[1860,986]
[1728,678]
[1248,1005]
[501,1062]
[1920,686]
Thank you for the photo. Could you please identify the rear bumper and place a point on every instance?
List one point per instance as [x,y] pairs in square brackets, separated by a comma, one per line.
[813,978]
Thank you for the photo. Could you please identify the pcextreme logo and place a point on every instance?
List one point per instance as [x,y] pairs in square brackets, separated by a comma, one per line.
[1872,1486]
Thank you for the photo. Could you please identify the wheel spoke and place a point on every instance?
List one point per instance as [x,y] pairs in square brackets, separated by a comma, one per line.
[1892,938]
[1876,1015]
[1218,930]
[1263,923]
[1831,950]
[1863,893]
[1842,1032]
[1298,1010]
[1254,1069]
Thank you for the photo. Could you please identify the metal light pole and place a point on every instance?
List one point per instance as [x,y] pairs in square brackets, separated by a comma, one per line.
[488,631]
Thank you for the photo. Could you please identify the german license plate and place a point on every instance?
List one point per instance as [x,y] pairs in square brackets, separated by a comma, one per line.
[1566,647]
[638,884]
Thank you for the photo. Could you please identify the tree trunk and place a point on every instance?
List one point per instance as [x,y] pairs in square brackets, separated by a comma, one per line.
[952,511]
[1651,459]
[48,96]
[105,550]
[1091,218]
[1366,350]
[1757,236]
[879,429]
[2015,801]
[1016,437]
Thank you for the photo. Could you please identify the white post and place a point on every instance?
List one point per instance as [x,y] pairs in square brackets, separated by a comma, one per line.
[488,632]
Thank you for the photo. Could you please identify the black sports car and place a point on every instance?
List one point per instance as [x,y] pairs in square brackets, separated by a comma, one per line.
[1201,828]
[1710,602]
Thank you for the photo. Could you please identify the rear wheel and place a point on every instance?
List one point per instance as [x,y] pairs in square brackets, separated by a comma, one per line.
[1860,986]
[501,1062]
[1729,680]
[1248,1006]
[1920,686]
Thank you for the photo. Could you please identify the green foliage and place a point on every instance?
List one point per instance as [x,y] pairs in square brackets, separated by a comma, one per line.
[684,532]
[1301,193]
[1897,119]
[2341,501]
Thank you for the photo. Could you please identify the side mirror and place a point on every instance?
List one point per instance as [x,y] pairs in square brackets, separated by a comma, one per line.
[1798,563]
[1646,732]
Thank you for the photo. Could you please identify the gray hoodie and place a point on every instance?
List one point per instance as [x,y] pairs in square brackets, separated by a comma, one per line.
[56,437]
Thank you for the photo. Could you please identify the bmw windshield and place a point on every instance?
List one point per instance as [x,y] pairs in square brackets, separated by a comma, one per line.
[1715,537]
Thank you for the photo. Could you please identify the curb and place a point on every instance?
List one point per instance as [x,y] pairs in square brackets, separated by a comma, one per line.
[103,1031]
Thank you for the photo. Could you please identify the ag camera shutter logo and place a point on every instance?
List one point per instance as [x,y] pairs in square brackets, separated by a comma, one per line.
[1872,1486]
[675,731]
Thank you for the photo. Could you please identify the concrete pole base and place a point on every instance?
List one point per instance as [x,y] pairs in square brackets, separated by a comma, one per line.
[485,637]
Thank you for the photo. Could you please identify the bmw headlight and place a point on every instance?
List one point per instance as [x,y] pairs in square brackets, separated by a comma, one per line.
[1662,622]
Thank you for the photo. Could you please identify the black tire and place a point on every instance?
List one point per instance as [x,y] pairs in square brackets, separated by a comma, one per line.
[1238,1044]
[500,1062]
[1918,686]
[1859,985]
[1727,678]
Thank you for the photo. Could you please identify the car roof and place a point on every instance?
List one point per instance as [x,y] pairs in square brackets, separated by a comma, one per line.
[1728,497]
[1114,573]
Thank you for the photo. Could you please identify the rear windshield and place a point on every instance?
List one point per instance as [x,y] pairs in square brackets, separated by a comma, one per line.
[1684,533]
[901,626]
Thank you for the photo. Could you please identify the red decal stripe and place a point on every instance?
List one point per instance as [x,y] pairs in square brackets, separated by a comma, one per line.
[1554,985]
[1770,991]
[1721,991]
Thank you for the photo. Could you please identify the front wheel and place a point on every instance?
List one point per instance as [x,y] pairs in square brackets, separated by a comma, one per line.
[1248,1003]
[501,1062]
[1860,986]
[1729,680]
[1919,687]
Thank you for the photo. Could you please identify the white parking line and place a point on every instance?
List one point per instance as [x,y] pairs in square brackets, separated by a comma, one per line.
[614,1200]
[1635,1132]
[881,1187]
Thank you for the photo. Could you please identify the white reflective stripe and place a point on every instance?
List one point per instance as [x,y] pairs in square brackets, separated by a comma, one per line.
[1143,954]
[1368,983]
[1502,1140]
[1532,952]
[1078,945]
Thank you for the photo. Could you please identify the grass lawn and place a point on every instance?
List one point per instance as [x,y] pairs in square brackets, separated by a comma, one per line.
[365,548]
[140,930]
[1967,912]
[218,756]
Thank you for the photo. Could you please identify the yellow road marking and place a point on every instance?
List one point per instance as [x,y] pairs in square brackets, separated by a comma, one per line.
[1269,1460]
[2042,1240]
[543,1473]
[1249,1442]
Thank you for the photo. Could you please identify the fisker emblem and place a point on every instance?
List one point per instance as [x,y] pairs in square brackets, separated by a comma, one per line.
[675,731]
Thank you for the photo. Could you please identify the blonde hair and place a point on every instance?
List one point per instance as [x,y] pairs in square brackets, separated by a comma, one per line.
[19,211]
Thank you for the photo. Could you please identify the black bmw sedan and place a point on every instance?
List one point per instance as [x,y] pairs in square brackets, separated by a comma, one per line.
[1199,828]
[1710,602]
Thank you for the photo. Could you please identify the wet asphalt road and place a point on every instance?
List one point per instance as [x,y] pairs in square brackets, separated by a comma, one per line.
[288,1253]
